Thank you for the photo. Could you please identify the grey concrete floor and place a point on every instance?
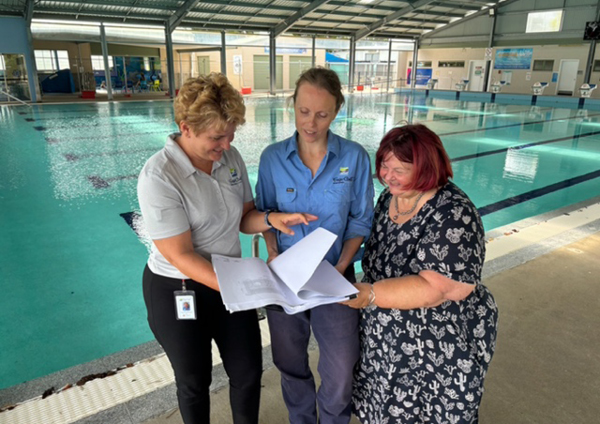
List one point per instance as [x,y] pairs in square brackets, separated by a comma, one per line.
[546,367]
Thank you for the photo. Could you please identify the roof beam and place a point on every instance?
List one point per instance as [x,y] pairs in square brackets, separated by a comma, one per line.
[288,22]
[29,11]
[467,18]
[398,14]
[175,19]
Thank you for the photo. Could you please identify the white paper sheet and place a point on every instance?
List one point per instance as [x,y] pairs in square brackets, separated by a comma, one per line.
[297,280]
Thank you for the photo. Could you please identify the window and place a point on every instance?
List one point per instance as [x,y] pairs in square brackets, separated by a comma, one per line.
[456,64]
[596,66]
[421,64]
[51,60]
[98,63]
[543,65]
[549,21]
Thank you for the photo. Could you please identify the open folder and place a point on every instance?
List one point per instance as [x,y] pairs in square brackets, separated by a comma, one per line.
[297,280]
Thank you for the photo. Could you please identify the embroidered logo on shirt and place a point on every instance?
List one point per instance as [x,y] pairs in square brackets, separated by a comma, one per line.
[343,177]
[235,179]
[289,190]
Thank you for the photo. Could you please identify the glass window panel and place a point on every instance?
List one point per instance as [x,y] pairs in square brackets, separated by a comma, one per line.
[548,21]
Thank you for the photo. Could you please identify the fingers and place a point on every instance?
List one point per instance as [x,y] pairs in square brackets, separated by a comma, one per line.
[311,217]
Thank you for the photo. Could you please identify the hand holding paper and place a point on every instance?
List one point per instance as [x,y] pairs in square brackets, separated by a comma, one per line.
[298,279]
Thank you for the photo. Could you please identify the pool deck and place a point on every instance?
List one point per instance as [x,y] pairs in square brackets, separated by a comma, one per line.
[543,273]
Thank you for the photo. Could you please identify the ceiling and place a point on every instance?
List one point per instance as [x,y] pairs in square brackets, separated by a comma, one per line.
[389,19]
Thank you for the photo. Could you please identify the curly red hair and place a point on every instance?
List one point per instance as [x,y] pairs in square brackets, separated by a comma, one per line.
[421,147]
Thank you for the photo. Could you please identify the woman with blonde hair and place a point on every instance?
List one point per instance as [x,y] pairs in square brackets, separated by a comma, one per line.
[195,198]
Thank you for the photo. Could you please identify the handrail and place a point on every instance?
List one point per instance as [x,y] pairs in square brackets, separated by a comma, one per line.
[255,248]
[13,97]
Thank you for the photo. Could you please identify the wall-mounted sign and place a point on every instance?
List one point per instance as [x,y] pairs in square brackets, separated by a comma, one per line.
[513,59]
[237,64]
[423,76]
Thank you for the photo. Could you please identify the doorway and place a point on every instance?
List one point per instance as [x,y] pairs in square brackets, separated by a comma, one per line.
[476,75]
[567,77]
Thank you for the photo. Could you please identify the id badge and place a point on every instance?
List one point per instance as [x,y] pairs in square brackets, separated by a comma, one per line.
[185,304]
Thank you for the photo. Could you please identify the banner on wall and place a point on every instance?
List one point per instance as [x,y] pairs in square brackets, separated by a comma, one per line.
[423,75]
[513,59]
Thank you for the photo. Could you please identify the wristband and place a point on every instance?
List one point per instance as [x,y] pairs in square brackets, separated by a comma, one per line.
[267,213]
[372,296]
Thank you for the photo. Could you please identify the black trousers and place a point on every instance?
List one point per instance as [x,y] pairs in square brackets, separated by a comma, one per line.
[187,344]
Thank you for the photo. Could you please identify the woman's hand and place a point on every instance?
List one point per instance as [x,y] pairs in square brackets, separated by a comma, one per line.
[282,221]
[362,298]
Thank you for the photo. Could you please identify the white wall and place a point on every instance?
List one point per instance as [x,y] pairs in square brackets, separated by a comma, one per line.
[519,83]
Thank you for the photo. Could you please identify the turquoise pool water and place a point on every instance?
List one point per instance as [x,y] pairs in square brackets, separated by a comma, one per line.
[71,264]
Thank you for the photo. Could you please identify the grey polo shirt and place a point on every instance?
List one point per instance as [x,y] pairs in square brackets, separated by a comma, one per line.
[175,197]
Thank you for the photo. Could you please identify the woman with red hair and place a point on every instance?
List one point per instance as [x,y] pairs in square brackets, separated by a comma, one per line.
[428,326]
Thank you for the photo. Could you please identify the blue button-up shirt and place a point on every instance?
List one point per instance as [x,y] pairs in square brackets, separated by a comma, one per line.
[340,194]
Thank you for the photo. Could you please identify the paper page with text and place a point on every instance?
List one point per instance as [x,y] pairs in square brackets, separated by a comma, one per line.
[249,281]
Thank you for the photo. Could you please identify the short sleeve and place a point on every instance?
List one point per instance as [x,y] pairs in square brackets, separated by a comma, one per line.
[161,206]
[452,244]
[247,196]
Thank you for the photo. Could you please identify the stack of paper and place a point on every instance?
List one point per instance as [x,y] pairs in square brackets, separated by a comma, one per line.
[297,280]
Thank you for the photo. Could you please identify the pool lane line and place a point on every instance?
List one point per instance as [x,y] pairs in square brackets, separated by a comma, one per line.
[515,200]
[86,116]
[523,146]
[97,110]
[94,125]
[53,140]
[99,182]
[514,125]
[72,157]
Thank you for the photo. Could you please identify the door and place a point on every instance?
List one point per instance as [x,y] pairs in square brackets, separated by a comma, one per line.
[567,77]
[476,75]
[262,80]
[298,64]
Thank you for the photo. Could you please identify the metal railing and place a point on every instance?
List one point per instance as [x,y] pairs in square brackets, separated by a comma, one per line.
[15,98]
[261,312]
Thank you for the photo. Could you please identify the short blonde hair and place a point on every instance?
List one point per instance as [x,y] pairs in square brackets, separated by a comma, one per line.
[209,101]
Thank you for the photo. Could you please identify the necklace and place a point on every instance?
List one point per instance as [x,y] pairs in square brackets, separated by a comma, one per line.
[408,212]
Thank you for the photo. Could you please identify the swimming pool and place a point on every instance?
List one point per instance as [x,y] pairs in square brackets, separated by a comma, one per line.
[71,265]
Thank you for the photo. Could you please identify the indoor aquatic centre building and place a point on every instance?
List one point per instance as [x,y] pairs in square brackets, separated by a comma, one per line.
[86,97]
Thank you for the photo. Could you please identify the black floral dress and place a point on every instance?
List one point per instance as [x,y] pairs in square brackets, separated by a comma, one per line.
[426,365]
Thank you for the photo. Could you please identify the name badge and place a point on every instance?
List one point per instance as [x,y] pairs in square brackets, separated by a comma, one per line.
[185,304]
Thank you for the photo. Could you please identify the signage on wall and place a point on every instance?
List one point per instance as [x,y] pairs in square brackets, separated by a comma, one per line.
[237,64]
[513,59]
[423,75]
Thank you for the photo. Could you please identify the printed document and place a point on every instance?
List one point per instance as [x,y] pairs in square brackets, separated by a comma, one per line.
[297,280]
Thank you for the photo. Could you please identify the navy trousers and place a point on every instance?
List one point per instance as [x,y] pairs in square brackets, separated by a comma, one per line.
[188,347]
[336,330]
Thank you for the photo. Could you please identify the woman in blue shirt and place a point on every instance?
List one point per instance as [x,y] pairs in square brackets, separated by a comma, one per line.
[328,176]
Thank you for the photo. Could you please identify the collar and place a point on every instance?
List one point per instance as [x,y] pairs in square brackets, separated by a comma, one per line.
[333,144]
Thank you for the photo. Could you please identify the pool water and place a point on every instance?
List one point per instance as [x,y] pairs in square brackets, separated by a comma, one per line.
[71,263]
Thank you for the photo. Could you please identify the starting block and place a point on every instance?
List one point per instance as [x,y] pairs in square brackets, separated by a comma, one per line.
[462,85]
[586,90]
[538,88]
[497,86]
[431,84]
